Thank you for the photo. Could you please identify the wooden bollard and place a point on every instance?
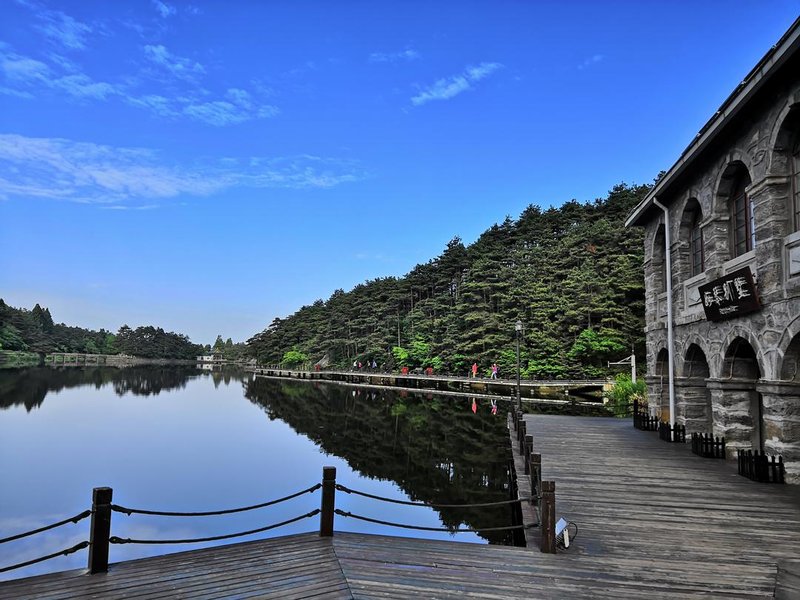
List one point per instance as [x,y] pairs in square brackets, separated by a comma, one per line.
[527,452]
[536,476]
[100,529]
[328,502]
[547,517]
[523,431]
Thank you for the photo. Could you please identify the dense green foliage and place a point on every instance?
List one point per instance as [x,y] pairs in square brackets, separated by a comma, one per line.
[572,275]
[624,392]
[34,331]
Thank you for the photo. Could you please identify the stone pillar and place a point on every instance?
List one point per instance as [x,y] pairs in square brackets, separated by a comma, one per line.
[692,404]
[770,198]
[655,392]
[731,405]
[781,401]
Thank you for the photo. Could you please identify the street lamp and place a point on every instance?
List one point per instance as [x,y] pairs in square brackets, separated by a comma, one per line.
[518,329]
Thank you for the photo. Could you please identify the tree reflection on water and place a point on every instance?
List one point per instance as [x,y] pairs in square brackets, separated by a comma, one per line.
[436,449]
[433,447]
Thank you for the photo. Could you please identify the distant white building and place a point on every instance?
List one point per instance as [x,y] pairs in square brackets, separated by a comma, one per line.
[214,358]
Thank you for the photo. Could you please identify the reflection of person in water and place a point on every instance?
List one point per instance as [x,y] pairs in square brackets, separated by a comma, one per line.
[494,407]
[474,405]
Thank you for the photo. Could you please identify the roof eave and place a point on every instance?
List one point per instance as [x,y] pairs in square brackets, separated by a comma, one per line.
[733,105]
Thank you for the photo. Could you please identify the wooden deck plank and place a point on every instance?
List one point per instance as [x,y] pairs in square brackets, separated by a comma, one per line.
[655,522]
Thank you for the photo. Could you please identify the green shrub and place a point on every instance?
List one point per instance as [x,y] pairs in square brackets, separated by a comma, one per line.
[621,396]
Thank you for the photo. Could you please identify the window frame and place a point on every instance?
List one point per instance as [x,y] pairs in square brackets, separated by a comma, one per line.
[795,179]
[697,259]
[743,231]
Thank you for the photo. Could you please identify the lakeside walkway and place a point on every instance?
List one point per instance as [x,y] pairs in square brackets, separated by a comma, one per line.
[654,521]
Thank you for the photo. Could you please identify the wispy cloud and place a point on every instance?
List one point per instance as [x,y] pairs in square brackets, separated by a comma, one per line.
[24,74]
[591,61]
[26,77]
[449,87]
[61,169]
[178,66]
[391,57]
[164,9]
[59,28]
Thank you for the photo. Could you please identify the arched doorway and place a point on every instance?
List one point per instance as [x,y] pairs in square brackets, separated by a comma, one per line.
[694,404]
[742,407]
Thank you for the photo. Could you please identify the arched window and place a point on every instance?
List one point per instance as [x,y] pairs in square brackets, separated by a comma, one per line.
[796,179]
[660,261]
[742,223]
[696,244]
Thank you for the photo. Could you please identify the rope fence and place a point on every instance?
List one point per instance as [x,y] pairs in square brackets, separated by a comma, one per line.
[77,518]
[212,513]
[100,538]
[118,540]
[438,529]
[27,563]
[100,528]
[425,504]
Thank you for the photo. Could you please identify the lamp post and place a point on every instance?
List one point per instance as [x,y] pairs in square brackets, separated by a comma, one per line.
[518,329]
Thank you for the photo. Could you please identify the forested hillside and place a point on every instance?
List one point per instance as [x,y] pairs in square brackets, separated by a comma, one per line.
[34,331]
[572,275]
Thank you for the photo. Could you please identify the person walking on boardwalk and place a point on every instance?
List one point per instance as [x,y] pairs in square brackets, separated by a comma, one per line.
[494,370]
[475,369]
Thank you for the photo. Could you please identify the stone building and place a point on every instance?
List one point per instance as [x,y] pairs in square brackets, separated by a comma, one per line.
[722,255]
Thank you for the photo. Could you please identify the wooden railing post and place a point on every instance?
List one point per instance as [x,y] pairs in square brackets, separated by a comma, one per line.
[527,453]
[547,517]
[100,530]
[328,501]
[536,476]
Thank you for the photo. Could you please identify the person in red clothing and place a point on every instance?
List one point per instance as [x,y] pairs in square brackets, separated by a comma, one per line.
[474,369]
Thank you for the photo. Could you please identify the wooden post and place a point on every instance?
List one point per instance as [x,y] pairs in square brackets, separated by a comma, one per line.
[100,530]
[536,476]
[547,518]
[328,501]
[527,453]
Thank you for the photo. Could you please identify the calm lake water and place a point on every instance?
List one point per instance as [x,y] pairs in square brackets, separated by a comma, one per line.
[182,439]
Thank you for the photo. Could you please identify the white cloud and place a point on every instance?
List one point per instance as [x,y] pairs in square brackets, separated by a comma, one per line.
[25,77]
[164,9]
[58,27]
[390,57]
[592,60]
[82,86]
[183,68]
[62,169]
[21,69]
[29,74]
[64,30]
[448,87]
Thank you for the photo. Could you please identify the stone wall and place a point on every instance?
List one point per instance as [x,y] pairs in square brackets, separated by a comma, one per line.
[751,391]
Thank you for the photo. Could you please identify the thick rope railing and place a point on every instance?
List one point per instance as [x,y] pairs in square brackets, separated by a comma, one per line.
[65,552]
[443,529]
[117,540]
[77,518]
[210,513]
[425,504]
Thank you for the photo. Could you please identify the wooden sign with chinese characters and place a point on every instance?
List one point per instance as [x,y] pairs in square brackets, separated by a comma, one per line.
[731,296]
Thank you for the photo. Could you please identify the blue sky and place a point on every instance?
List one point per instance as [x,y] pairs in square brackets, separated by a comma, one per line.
[208,166]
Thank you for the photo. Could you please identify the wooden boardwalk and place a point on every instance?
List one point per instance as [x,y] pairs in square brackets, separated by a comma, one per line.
[636,497]
[560,390]
[655,522]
